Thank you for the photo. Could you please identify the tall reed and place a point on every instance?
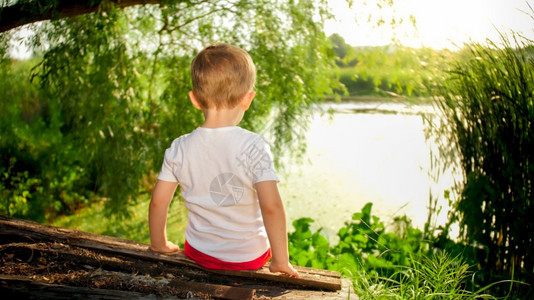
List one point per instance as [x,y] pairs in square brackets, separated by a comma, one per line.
[488,106]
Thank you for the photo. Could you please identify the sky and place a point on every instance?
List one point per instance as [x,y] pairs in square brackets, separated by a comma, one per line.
[440,23]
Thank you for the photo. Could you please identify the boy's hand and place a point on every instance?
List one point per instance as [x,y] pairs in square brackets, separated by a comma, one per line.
[286,268]
[167,248]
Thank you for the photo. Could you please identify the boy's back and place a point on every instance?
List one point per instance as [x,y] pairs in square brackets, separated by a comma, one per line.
[217,169]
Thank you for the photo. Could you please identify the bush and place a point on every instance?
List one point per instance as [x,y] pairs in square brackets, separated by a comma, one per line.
[363,244]
[38,175]
[384,265]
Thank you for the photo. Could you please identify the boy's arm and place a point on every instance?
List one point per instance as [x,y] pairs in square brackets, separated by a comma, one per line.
[274,219]
[157,216]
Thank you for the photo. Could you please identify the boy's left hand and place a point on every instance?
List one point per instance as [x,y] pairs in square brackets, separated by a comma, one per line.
[286,268]
[167,248]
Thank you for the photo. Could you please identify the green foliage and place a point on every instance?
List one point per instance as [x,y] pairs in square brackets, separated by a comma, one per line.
[384,265]
[395,69]
[363,244]
[37,176]
[108,94]
[342,50]
[307,248]
[487,101]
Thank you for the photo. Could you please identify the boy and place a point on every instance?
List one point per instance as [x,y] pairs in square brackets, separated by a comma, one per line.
[236,219]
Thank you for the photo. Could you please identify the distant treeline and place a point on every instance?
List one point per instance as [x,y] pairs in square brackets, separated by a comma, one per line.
[390,70]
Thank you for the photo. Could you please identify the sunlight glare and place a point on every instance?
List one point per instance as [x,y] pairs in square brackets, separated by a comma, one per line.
[440,23]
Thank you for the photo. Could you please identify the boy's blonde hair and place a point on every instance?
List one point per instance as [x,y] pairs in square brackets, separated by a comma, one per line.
[222,74]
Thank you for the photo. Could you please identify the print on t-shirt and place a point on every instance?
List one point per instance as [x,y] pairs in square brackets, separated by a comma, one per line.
[226,189]
[255,159]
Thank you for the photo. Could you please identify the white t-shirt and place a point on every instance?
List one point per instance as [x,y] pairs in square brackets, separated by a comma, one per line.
[217,169]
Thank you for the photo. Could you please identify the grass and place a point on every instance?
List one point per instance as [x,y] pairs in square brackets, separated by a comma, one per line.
[438,276]
[134,227]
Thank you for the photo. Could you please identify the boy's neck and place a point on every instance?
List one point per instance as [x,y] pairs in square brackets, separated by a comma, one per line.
[215,118]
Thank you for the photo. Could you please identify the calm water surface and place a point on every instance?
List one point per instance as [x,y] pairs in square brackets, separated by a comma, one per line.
[366,152]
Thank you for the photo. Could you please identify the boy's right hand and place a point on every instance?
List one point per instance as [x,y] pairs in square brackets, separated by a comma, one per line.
[286,268]
[167,248]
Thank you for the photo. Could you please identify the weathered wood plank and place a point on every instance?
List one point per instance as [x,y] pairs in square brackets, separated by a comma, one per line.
[13,287]
[216,290]
[102,272]
[310,278]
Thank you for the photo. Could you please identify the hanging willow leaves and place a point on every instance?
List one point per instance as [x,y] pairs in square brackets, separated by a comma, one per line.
[112,89]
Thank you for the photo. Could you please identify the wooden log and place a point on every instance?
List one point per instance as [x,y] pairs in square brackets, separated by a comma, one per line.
[309,277]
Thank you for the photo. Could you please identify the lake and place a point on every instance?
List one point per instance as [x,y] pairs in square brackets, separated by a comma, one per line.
[365,152]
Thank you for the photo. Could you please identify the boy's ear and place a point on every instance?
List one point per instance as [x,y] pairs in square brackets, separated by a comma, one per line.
[194,100]
[247,100]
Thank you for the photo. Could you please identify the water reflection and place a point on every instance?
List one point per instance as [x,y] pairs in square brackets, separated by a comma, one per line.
[366,152]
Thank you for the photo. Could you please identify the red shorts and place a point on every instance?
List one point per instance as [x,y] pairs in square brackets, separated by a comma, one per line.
[211,262]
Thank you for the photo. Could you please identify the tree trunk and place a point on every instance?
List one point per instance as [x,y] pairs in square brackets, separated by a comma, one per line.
[23,13]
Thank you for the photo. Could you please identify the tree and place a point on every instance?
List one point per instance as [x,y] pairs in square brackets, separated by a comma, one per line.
[111,91]
[341,49]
